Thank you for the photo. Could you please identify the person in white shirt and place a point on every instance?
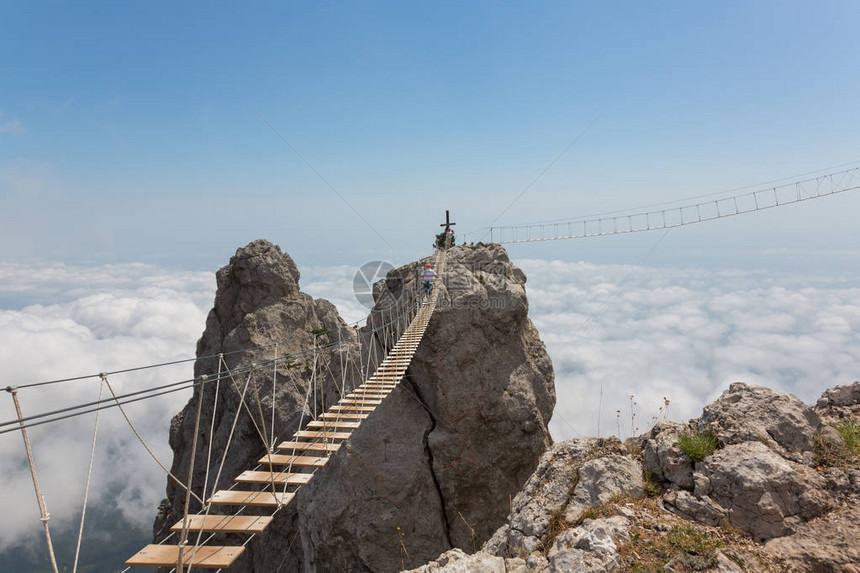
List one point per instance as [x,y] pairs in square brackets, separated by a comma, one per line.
[428,275]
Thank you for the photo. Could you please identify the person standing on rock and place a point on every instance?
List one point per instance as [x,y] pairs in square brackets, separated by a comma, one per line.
[428,275]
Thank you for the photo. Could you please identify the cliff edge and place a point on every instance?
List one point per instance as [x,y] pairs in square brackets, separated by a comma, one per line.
[760,482]
[435,466]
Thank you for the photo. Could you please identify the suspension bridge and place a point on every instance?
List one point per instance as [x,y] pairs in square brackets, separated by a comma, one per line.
[308,450]
[258,493]
[677,216]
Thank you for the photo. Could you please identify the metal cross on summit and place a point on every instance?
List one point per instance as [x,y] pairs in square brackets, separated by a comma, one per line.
[447,224]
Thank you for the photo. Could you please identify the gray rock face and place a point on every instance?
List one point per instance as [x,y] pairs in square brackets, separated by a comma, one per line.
[761,492]
[827,544]
[839,402]
[590,548]
[803,517]
[746,413]
[663,458]
[700,509]
[456,561]
[603,479]
[571,478]
[257,304]
[446,452]
[546,493]
[436,464]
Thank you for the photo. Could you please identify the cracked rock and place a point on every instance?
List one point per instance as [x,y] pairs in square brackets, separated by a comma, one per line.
[436,465]
[755,413]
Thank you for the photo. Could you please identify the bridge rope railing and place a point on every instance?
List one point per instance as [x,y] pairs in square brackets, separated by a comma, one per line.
[336,426]
[58,414]
[388,325]
[679,216]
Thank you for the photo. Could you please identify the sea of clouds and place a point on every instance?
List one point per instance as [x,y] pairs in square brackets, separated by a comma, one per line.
[624,340]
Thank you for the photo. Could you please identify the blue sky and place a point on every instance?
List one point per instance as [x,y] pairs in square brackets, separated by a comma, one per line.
[134,161]
[134,131]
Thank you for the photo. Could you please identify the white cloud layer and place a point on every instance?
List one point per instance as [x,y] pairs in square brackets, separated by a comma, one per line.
[685,335]
[682,334]
[100,319]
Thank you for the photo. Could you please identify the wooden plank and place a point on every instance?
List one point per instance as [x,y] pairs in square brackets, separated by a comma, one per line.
[309,446]
[288,459]
[352,408]
[205,557]
[250,498]
[279,478]
[322,435]
[334,424]
[342,416]
[357,402]
[368,394]
[226,523]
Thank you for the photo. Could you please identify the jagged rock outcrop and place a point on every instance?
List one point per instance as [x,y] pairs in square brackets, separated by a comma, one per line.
[831,543]
[551,526]
[572,477]
[779,493]
[762,480]
[258,305]
[782,422]
[436,464]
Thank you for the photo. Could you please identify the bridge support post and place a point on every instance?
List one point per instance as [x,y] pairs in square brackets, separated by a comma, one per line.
[40,499]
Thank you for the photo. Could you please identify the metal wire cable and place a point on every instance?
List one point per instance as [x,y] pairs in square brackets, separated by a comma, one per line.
[154,391]
[156,365]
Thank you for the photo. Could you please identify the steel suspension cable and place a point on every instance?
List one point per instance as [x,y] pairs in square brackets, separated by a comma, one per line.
[87,486]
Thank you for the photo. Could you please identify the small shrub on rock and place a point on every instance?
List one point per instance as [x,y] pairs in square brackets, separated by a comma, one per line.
[833,452]
[698,444]
[850,432]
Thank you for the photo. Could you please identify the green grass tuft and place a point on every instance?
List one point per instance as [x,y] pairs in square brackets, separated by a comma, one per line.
[850,431]
[698,444]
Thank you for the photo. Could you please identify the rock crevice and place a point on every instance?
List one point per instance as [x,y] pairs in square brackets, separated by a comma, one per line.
[434,466]
[430,463]
[766,499]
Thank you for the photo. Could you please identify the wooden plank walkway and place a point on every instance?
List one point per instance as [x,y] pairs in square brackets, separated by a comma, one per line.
[321,438]
[225,523]
[203,557]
